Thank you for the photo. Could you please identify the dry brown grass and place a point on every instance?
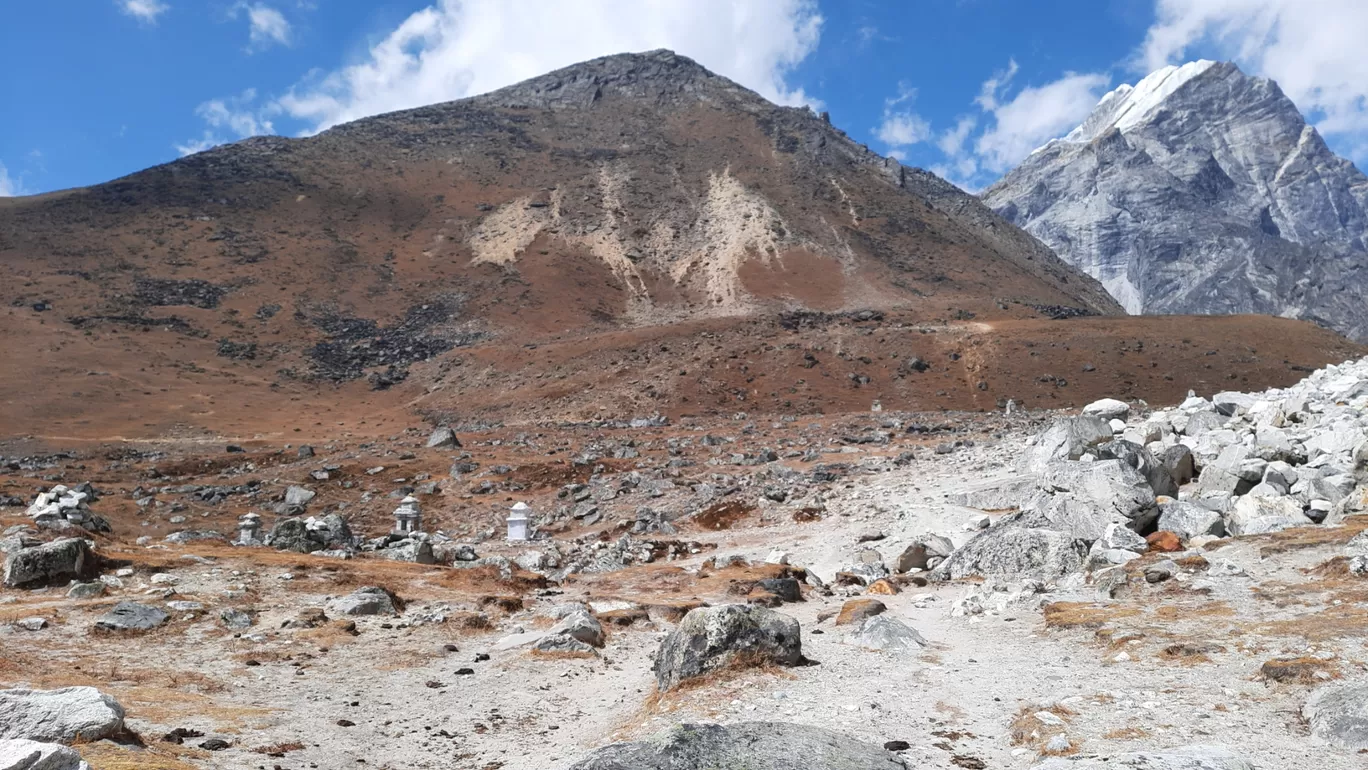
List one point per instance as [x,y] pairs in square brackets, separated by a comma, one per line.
[1131,733]
[1338,567]
[1312,537]
[469,622]
[279,749]
[1194,561]
[110,756]
[1171,612]
[1334,622]
[1066,615]
[736,667]
[1027,729]
[1069,750]
[1190,653]
[1113,637]
[333,634]
[562,655]
[1298,670]
[410,659]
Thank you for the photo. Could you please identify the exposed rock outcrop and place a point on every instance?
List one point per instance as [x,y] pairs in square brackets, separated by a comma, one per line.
[714,638]
[59,716]
[749,745]
[1202,190]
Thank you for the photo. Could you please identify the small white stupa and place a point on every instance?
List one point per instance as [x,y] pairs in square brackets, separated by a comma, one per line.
[518,521]
[249,529]
[408,517]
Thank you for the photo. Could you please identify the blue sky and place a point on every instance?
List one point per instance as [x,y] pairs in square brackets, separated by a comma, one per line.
[95,89]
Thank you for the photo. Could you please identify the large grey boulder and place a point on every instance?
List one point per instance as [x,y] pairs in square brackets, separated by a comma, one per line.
[744,746]
[1230,473]
[296,500]
[1257,515]
[235,619]
[443,437]
[1201,423]
[293,534]
[1142,460]
[1341,438]
[1233,403]
[996,494]
[1182,758]
[887,634]
[581,626]
[713,638]
[1360,460]
[59,716]
[1189,520]
[131,616]
[59,560]
[298,497]
[1338,713]
[1067,439]
[1083,498]
[1108,409]
[1113,485]
[367,600]
[36,755]
[1016,546]
[418,550]
[1179,463]
[925,552]
[564,644]
[333,530]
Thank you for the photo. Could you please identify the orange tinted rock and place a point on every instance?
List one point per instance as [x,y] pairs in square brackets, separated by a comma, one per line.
[1164,541]
[883,587]
[856,610]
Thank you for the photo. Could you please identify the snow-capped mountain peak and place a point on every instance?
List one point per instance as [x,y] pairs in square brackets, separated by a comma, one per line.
[1126,106]
[1213,195]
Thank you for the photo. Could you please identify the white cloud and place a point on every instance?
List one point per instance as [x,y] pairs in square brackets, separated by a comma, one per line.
[8,187]
[229,120]
[1314,49]
[235,115]
[902,128]
[143,10]
[988,92]
[267,25]
[192,146]
[952,141]
[458,48]
[1034,115]
[1008,126]
[961,166]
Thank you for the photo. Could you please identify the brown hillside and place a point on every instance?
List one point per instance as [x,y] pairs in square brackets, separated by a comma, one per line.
[627,236]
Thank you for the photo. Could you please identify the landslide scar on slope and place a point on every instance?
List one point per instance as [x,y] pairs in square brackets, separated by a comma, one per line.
[699,250]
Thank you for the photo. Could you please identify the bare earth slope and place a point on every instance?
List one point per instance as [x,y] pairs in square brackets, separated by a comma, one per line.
[626,236]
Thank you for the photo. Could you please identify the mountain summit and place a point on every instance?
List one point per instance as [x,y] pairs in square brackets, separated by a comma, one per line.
[1202,190]
[629,235]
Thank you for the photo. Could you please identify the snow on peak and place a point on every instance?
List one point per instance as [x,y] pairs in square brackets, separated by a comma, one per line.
[1127,106]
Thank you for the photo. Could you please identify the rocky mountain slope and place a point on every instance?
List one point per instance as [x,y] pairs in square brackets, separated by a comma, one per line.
[1202,190]
[1173,589]
[626,236]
